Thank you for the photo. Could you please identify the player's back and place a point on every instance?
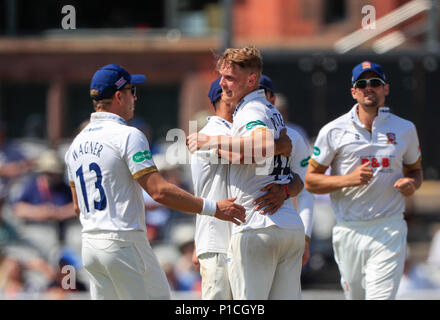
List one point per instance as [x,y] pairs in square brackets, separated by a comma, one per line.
[98,164]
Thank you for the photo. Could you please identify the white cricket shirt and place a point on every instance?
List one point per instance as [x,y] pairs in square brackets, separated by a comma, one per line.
[210,180]
[103,163]
[345,143]
[300,156]
[246,182]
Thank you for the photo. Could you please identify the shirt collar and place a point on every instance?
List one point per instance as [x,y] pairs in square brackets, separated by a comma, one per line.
[220,120]
[99,116]
[256,94]
[382,114]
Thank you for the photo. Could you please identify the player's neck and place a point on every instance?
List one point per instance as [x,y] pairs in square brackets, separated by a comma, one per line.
[224,113]
[366,115]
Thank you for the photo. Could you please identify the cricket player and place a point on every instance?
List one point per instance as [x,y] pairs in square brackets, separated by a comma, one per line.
[211,180]
[375,162]
[265,253]
[108,165]
[300,155]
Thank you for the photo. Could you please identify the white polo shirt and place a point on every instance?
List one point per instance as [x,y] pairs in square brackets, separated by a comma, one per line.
[210,180]
[345,143]
[246,182]
[103,163]
[300,156]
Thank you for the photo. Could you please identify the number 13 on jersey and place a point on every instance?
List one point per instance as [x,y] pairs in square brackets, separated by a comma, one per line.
[102,203]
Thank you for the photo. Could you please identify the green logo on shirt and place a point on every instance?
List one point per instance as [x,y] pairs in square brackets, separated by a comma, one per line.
[305,162]
[252,124]
[142,156]
[316,151]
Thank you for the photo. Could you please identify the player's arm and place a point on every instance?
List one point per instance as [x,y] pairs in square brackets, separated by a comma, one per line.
[305,202]
[276,194]
[175,198]
[249,149]
[253,148]
[256,147]
[318,182]
[195,259]
[411,181]
[74,198]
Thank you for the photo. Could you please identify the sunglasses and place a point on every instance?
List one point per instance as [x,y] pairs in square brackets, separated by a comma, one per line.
[133,90]
[373,82]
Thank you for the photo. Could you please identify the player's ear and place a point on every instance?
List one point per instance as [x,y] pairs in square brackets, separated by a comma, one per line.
[252,79]
[117,95]
[353,93]
[386,89]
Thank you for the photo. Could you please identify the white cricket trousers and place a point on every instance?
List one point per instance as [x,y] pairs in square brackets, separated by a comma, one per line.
[265,264]
[370,256]
[214,272]
[122,265]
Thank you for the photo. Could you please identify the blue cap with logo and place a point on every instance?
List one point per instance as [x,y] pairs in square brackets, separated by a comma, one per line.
[367,66]
[266,83]
[215,92]
[111,78]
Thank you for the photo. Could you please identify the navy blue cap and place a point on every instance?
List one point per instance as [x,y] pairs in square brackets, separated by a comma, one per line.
[215,92]
[367,66]
[110,78]
[266,83]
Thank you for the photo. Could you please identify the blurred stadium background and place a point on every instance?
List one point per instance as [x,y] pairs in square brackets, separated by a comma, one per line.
[309,48]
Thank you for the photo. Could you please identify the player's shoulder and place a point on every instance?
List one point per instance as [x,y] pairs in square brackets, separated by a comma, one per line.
[118,131]
[216,126]
[255,104]
[292,133]
[400,122]
[295,136]
[254,109]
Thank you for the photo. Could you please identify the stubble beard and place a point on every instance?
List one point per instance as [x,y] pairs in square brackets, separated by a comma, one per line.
[371,103]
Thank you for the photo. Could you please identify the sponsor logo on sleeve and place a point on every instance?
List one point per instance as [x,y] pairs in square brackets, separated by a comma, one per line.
[252,124]
[305,162]
[142,156]
[316,151]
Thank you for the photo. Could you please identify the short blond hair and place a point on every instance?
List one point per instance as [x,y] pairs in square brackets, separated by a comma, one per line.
[246,58]
[103,104]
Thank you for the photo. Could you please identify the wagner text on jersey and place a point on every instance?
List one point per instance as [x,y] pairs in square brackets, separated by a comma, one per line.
[88,147]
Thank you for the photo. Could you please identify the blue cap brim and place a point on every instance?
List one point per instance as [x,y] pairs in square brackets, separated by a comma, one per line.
[137,78]
[372,70]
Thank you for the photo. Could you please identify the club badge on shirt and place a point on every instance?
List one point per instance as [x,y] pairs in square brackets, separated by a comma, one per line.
[391,138]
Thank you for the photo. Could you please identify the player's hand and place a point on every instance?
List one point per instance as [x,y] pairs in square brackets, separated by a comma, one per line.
[227,210]
[195,141]
[406,186]
[195,260]
[283,145]
[272,200]
[306,254]
[362,175]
